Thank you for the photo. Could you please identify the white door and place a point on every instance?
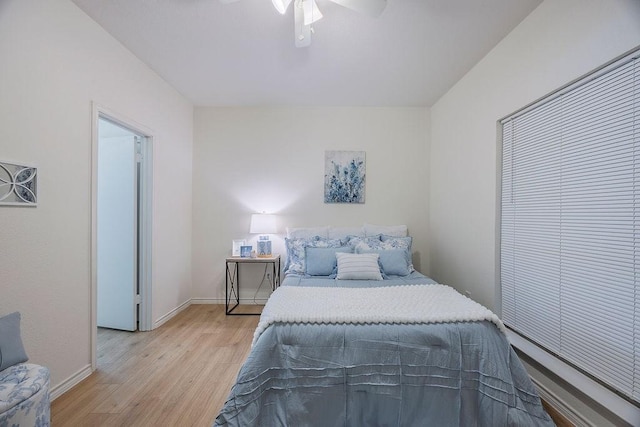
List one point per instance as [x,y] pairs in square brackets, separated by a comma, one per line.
[117,228]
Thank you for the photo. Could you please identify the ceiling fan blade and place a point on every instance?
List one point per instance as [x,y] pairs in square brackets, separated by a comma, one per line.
[369,7]
[281,5]
[311,12]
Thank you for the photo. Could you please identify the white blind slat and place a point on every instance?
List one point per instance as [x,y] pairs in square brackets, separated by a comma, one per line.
[570,225]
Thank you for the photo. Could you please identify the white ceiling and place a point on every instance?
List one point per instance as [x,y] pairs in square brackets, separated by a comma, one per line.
[243,53]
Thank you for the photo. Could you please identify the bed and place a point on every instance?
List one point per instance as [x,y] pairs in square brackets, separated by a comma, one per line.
[364,347]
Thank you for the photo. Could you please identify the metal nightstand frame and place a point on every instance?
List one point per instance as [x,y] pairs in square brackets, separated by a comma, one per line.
[232,280]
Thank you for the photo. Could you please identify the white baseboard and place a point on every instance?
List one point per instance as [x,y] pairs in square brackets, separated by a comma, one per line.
[76,378]
[207,300]
[162,320]
[221,301]
[70,382]
[561,406]
[611,409]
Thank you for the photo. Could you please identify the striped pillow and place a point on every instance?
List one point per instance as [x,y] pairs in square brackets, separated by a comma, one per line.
[358,266]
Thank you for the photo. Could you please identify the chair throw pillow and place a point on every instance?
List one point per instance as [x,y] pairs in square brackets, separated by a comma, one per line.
[11,348]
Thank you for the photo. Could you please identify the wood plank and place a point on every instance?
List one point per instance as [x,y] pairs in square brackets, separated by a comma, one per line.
[178,374]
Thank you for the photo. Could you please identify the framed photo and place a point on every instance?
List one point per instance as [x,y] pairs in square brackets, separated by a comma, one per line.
[245,251]
[237,244]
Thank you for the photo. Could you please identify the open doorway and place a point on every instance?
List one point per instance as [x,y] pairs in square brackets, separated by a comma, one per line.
[121,226]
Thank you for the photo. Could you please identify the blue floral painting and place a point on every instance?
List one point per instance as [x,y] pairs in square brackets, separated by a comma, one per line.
[344,176]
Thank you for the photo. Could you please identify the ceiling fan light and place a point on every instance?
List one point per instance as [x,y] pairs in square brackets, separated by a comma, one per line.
[311,12]
[281,5]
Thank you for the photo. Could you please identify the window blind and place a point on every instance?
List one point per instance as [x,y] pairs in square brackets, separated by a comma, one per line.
[570,225]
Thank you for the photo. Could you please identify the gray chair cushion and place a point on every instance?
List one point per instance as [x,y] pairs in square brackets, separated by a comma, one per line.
[11,348]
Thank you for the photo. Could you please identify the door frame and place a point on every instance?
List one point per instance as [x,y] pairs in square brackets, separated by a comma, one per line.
[145,320]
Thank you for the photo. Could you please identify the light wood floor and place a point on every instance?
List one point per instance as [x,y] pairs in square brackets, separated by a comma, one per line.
[177,375]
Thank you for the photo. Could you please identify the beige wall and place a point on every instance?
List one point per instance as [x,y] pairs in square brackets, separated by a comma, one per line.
[434,170]
[56,61]
[558,42]
[249,160]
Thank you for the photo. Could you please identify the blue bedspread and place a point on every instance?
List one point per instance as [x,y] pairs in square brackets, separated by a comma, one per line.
[415,278]
[436,374]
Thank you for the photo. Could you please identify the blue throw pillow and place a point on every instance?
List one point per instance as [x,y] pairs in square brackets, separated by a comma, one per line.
[388,243]
[322,261]
[394,262]
[11,348]
[296,251]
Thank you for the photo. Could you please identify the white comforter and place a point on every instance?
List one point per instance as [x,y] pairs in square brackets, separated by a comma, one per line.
[394,304]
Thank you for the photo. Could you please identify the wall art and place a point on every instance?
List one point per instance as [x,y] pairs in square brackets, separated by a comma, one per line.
[18,184]
[344,176]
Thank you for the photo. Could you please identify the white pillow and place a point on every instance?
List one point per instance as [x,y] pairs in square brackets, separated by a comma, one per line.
[387,230]
[343,232]
[308,232]
[358,266]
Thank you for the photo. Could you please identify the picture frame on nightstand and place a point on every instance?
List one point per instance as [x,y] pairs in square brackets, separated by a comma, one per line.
[245,251]
[237,244]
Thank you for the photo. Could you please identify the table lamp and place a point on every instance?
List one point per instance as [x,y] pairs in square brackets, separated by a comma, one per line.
[263,224]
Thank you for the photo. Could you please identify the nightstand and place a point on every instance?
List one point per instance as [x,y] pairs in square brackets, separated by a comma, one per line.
[232,282]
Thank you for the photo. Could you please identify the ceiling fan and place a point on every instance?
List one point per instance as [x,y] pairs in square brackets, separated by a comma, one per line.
[306,12]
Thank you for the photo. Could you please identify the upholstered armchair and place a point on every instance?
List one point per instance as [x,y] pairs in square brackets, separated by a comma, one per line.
[24,387]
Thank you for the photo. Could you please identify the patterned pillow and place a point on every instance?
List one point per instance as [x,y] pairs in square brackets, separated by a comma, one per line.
[387,243]
[390,242]
[296,251]
[356,240]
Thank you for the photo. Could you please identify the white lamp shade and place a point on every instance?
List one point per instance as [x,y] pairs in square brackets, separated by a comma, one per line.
[263,224]
[281,5]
